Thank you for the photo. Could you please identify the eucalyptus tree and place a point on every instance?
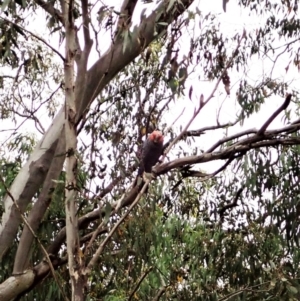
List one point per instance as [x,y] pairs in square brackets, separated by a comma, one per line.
[80,93]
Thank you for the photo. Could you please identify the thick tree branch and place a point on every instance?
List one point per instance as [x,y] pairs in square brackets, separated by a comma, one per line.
[27,183]
[13,286]
[126,14]
[117,57]
[36,214]
[75,262]
[224,154]
[86,22]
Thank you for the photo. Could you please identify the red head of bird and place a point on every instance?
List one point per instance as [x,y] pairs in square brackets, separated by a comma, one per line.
[156,137]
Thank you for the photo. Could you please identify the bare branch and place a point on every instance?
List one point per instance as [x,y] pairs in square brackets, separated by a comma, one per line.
[196,112]
[224,154]
[232,204]
[170,127]
[139,283]
[202,131]
[275,114]
[226,139]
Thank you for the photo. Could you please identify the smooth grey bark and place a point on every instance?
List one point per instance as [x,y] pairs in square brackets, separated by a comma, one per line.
[15,285]
[38,210]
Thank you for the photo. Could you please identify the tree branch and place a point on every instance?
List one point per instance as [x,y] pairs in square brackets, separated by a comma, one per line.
[35,36]
[39,208]
[160,293]
[224,154]
[232,204]
[50,9]
[86,22]
[126,14]
[139,283]
[95,258]
[195,133]
[275,114]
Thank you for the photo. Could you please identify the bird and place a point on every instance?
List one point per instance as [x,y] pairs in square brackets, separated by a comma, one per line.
[151,151]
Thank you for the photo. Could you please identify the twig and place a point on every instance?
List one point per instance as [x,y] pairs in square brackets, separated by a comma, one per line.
[139,282]
[249,288]
[201,131]
[277,56]
[227,163]
[275,114]
[94,236]
[169,128]
[232,204]
[35,236]
[37,37]
[196,112]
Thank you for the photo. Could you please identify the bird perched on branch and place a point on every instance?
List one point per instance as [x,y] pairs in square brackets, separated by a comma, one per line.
[152,150]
